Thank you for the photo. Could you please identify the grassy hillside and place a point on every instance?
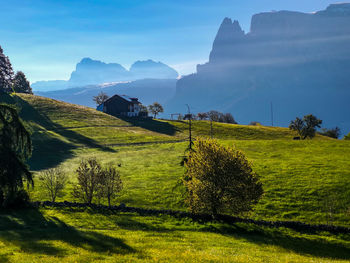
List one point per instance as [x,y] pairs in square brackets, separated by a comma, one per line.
[303,180]
[66,127]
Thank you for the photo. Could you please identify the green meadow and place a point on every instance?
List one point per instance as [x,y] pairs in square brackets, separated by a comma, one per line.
[306,181]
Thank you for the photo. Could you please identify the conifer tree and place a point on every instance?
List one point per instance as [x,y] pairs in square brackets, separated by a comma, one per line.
[6,73]
[21,84]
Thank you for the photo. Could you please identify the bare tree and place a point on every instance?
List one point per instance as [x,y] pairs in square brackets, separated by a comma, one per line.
[100,98]
[111,184]
[54,181]
[89,178]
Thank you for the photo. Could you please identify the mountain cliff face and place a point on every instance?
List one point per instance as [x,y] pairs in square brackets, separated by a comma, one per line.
[93,72]
[90,72]
[149,69]
[299,62]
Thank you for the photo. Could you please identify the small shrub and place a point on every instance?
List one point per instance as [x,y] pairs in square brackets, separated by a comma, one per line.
[255,123]
[333,133]
[347,137]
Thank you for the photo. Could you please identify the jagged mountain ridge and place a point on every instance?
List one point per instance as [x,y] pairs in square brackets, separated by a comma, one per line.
[299,62]
[93,72]
[146,90]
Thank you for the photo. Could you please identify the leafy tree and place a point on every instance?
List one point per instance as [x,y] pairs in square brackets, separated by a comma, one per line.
[219,179]
[89,178]
[306,127]
[15,148]
[202,115]
[54,181]
[111,184]
[333,133]
[155,109]
[6,73]
[221,117]
[100,98]
[228,118]
[21,84]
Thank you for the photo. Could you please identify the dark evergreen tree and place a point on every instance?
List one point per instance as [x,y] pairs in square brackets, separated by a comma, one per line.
[6,73]
[21,84]
[15,148]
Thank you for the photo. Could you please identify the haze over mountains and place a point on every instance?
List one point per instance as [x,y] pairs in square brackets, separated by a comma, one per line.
[300,62]
[93,72]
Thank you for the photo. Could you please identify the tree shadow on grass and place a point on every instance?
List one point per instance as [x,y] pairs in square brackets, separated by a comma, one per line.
[48,150]
[152,125]
[303,244]
[32,233]
[309,244]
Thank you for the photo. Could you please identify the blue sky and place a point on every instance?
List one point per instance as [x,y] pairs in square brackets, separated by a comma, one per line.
[46,38]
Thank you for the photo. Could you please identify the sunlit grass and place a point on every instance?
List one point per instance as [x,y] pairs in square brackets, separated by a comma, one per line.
[67,235]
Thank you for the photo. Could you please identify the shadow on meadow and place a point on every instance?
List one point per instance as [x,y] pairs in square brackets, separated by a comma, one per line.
[301,243]
[45,143]
[31,232]
[309,244]
[152,125]
[304,243]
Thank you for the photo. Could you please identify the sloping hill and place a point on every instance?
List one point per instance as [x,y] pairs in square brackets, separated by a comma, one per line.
[58,128]
[303,180]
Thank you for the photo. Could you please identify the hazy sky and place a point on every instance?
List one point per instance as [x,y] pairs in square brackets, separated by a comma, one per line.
[46,38]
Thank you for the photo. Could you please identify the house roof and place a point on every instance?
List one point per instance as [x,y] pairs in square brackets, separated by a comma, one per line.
[125,97]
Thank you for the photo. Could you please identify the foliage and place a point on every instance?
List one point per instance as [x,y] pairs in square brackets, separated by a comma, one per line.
[347,137]
[21,84]
[306,127]
[255,123]
[6,73]
[143,108]
[220,179]
[53,181]
[221,117]
[155,109]
[100,98]
[111,184]
[228,118]
[15,148]
[333,133]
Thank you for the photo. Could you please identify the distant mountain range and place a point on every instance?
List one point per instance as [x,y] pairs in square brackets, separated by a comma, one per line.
[93,72]
[146,90]
[299,62]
